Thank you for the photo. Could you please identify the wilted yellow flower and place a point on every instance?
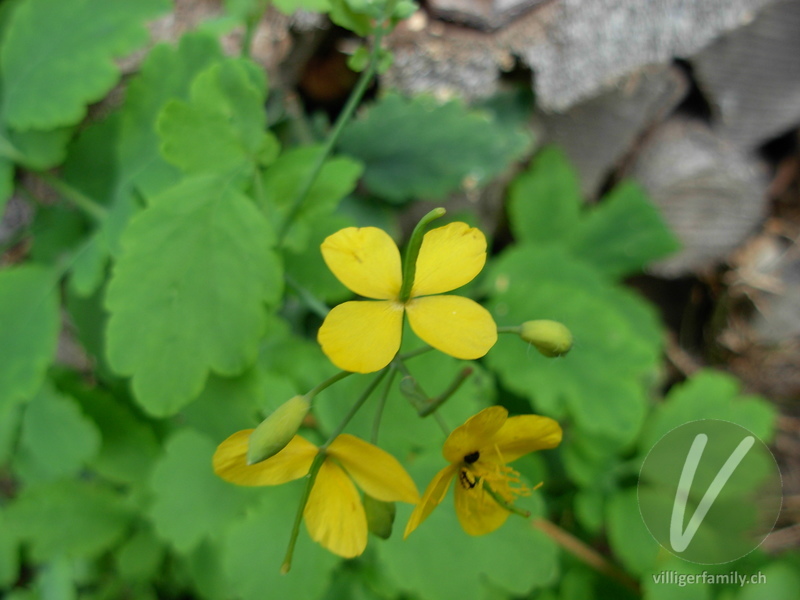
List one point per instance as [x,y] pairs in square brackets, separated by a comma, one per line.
[478,452]
[364,336]
[334,514]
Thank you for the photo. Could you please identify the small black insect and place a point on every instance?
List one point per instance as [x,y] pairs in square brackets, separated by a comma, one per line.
[472,457]
[465,480]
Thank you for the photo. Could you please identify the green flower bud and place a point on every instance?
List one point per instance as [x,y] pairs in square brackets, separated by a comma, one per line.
[277,430]
[380,516]
[551,338]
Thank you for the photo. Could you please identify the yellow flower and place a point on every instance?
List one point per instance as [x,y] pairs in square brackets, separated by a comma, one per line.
[364,336]
[478,452]
[334,515]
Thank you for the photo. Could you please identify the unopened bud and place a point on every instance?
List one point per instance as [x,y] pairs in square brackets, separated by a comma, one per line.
[551,338]
[277,430]
[380,516]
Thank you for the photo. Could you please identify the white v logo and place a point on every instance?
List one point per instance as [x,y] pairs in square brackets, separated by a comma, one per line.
[680,540]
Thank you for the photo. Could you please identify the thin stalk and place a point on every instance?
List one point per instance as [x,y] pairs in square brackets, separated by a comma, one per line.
[412,252]
[317,306]
[510,329]
[376,424]
[327,383]
[414,353]
[347,112]
[312,477]
[355,408]
[96,211]
[435,403]
[586,554]
[505,503]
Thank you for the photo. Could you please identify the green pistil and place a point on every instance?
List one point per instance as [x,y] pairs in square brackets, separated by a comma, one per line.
[412,252]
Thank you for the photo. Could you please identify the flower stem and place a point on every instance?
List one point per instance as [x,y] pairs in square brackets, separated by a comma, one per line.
[327,383]
[376,424]
[317,306]
[435,403]
[355,408]
[414,353]
[586,554]
[412,252]
[344,117]
[510,329]
[312,476]
[96,211]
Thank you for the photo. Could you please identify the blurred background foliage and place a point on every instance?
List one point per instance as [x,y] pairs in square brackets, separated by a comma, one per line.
[163,293]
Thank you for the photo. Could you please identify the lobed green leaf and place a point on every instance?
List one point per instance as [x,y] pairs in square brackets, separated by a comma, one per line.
[188,294]
[57,56]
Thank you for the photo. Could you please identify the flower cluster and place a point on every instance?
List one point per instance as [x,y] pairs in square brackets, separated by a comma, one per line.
[364,336]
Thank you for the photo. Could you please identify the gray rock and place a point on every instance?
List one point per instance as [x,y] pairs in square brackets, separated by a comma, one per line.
[752,76]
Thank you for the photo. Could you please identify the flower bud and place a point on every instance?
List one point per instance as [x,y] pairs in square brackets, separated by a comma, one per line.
[277,430]
[380,516]
[551,338]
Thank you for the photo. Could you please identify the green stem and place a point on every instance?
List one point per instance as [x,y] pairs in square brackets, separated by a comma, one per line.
[327,383]
[516,329]
[414,353]
[341,121]
[435,403]
[96,211]
[376,424]
[250,27]
[312,477]
[316,305]
[316,465]
[355,408]
[412,252]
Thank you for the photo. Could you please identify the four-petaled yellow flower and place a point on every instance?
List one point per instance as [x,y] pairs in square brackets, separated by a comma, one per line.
[478,452]
[364,336]
[334,515]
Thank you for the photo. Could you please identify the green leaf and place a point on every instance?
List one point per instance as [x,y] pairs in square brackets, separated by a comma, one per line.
[57,439]
[188,294]
[603,383]
[255,545]
[221,129]
[630,540]
[226,405]
[284,179]
[58,56]
[56,580]
[419,148]
[6,183]
[427,565]
[9,553]
[40,149]
[677,569]
[140,557]
[117,161]
[545,201]
[129,446]
[191,502]
[72,518]
[709,394]
[781,582]
[29,324]
[622,233]
[288,7]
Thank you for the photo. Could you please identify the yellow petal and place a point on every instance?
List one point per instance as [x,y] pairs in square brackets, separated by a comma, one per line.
[293,462]
[454,325]
[526,433]
[476,434]
[450,256]
[362,336]
[334,515]
[375,471]
[433,496]
[366,260]
[477,512]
